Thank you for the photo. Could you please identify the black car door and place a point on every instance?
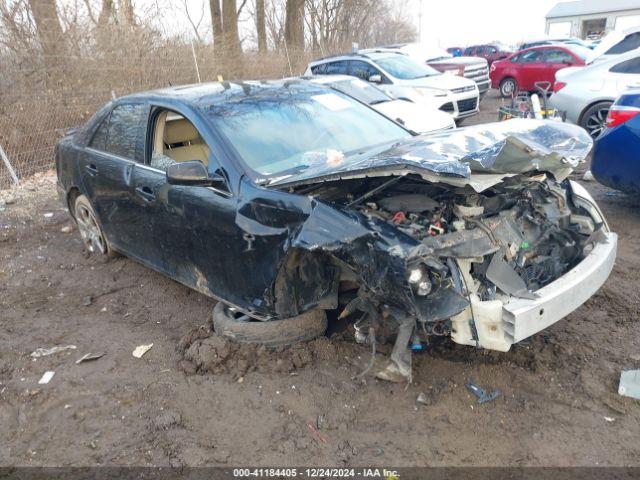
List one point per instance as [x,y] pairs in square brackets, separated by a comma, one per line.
[191,232]
[106,167]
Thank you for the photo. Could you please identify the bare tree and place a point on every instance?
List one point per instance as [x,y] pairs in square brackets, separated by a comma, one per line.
[294,25]
[231,41]
[106,13]
[195,23]
[128,15]
[47,25]
[261,27]
[216,20]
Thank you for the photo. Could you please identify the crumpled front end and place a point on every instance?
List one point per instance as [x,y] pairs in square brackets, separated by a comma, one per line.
[471,255]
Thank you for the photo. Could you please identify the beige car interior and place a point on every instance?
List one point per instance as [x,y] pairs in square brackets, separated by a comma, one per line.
[177,138]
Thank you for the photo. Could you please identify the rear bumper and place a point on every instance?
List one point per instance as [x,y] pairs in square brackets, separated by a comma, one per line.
[523,317]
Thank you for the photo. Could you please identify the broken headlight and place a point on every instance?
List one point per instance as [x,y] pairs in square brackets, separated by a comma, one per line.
[418,278]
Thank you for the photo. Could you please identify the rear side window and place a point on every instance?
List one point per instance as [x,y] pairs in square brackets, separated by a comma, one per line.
[122,132]
[330,68]
[530,56]
[630,42]
[336,68]
[555,55]
[628,66]
[319,69]
[99,139]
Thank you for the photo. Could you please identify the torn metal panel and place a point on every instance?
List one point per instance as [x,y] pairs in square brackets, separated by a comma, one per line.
[503,148]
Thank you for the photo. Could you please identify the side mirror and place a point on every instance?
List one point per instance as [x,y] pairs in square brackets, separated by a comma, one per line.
[375,78]
[193,173]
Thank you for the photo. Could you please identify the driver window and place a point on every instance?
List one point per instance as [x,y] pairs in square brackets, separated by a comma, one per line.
[175,140]
[363,70]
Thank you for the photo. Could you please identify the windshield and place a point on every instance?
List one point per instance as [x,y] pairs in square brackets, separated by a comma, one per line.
[404,68]
[279,131]
[362,91]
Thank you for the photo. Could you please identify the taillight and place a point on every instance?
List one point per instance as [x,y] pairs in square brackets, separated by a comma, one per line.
[619,114]
[559,86]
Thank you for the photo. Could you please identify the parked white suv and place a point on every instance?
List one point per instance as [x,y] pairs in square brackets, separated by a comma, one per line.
[403,78]
[473,68]
[411,115]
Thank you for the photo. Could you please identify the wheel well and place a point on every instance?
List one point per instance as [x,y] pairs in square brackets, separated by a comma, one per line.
[73,193]
[585,109]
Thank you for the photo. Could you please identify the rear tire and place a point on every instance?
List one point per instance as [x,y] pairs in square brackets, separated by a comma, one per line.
[90,230]
[593,120]
[273,333]
[508,87]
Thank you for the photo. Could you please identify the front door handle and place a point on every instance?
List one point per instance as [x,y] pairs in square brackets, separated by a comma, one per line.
[92,169]
[145,193]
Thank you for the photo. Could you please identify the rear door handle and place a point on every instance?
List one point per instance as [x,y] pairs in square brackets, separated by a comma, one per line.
[92,169]
[145,193]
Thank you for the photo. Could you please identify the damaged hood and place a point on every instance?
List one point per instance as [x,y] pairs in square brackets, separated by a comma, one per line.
[479,156]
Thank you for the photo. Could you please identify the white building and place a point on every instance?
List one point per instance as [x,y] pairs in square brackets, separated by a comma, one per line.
[585,17]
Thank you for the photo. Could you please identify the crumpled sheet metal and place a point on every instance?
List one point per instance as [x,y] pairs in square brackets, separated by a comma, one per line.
[510,147]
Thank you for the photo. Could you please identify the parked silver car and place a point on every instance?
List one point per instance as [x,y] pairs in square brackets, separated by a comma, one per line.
[586,93]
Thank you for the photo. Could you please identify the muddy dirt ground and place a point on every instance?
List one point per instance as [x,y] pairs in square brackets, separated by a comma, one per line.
[558,405]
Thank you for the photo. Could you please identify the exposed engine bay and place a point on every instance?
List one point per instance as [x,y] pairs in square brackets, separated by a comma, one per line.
[474,251]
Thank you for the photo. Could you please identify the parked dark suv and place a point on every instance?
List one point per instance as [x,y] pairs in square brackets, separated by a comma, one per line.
[490,52]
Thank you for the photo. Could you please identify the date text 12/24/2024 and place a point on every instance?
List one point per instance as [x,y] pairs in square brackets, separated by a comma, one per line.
[382,473]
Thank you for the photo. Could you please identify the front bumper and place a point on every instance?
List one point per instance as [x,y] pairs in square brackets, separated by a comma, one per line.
[483,86]
[523,318]
[496,325]
[462,105]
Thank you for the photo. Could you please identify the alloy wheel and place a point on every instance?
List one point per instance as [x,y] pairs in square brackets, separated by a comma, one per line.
[89,230]
[508,88]
[596,122]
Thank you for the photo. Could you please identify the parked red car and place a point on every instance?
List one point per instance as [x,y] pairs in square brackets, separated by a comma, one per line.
[523,69]
[491,52]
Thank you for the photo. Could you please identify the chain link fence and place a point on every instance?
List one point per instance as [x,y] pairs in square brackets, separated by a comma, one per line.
[39,103]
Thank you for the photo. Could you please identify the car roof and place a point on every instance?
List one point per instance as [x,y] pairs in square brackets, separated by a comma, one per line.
[203,94]
[370,53]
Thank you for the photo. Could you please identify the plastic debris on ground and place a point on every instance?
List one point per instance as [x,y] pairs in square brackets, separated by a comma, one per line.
[482,395]
[89,356]
[43,352]
[630,384]
[46,378]
[588,176]
[141,350]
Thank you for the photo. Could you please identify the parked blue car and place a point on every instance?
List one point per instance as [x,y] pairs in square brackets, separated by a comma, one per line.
[616,154]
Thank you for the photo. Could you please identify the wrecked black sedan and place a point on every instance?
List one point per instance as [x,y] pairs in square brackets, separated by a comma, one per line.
[287,199]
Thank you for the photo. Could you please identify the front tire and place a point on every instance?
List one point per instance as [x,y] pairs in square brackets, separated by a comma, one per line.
[89,228]
[594,119]
[272,333]
[508,87]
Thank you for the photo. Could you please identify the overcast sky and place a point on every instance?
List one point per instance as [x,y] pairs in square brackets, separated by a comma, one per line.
[445,23]
[449,23]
